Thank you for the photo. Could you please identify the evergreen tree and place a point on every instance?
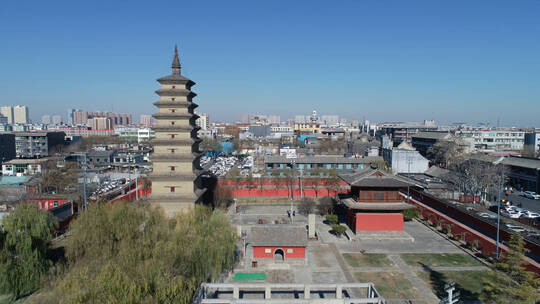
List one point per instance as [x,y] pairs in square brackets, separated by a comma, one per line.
[23,252]
[510,282]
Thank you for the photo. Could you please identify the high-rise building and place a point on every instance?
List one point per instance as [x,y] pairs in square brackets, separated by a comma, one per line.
[100,123]
[7,111]
[70,116]
[21,115]
[117,119]
[203,121]
[46,119]
[300,119]
[145,119]
[57,120]
[176,181]
[274,119]
[330,120]
[244,118]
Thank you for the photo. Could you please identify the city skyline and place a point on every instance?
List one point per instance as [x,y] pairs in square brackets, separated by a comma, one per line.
[458,62]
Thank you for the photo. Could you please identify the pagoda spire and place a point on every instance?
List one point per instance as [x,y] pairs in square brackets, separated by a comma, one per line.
[176,62]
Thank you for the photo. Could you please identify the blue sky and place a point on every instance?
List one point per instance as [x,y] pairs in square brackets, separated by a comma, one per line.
[452,61]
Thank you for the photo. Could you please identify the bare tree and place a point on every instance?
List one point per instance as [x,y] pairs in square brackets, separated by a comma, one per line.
[261,181]
[475,177]
[306,206]
[445,153]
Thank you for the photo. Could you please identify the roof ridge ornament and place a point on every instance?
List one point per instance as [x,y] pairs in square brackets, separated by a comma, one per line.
[176,62]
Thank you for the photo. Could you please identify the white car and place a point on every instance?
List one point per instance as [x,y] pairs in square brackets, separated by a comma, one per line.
[515,228]
[531,215]
[531,195]
[510,213]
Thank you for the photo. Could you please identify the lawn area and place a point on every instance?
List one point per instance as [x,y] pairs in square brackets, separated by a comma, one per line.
[265,200]
[468,282]
[439,259]
[391,285]
[367,260]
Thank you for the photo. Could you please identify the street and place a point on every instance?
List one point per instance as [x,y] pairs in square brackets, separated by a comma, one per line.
[516,198]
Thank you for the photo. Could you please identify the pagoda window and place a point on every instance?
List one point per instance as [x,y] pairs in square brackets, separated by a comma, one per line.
[174,87]
[173,99]
[172,135]
[172,189]
[173,168]
[172,150]
[172,123]
[173,110]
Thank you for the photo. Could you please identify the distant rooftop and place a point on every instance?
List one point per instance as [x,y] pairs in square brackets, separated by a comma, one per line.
[323,159]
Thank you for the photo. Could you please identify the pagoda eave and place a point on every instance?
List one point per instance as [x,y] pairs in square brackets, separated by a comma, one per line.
[172,104]
[175,92]
[171,115]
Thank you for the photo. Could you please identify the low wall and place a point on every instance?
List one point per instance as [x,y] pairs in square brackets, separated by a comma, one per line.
[470,229]
[379,222]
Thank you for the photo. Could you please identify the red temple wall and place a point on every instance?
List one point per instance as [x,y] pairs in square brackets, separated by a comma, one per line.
[259,252]
[379,222]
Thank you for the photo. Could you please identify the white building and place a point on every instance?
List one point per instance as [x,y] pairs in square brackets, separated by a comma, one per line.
[7,111]
[21,115]
[141,134]
[532,140]
[46,119]
[300,119]
[405,159]
[145,119]
[496,139]
[330,120]
[57,120]
[203,121]
[274,119]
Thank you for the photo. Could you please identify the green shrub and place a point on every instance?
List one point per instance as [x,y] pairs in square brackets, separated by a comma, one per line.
[339,229]
[332,218]
[410,214]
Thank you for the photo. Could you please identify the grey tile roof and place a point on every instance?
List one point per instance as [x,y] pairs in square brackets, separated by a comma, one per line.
[432,135]
[322,159]
[365,178]
[390,206]
[524,162]
[278,235]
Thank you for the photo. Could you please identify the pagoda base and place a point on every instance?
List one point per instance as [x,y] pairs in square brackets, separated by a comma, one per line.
[171,208]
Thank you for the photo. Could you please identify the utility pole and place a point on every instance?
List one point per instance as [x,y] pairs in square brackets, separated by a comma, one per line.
[408,177]
[499,211]
[292,189]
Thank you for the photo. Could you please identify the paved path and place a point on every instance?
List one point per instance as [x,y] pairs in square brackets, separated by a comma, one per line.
[410,274]
[341,263]
[419,268]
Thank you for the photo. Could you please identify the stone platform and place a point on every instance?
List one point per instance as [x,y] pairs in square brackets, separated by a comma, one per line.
[382,235]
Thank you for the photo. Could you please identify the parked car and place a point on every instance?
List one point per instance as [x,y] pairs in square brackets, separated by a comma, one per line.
[510,213]
[531,195]
[531,215]
[515,228]
[487,215]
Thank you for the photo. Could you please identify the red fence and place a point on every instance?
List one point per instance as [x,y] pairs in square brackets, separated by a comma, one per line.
[471,229]
[281,187]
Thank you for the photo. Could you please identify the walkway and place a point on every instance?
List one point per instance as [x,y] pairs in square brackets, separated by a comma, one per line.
[341,263]
[410,274]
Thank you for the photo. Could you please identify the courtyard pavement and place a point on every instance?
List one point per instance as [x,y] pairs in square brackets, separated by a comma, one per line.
[325,262]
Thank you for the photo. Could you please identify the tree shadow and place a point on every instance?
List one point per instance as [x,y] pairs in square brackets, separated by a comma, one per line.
[438,280]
